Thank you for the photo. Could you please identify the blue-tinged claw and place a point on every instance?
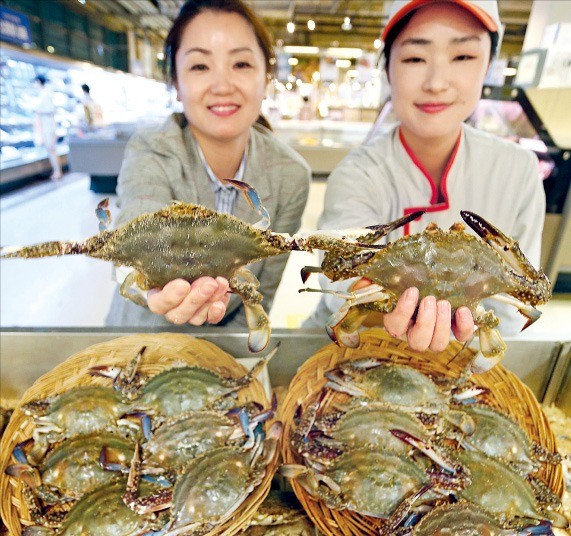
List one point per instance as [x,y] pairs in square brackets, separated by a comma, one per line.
[245,423]
[103,215]
[254,201]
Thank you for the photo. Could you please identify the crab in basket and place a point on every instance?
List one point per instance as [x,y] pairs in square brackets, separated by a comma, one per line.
[451,265]
[211,488]
[186,241]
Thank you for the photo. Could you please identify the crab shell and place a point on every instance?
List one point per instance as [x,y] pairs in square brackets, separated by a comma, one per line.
[498,436]
[180,390]
[74,467]
[79,411]
[462,518]
[181,439]
[102,513]
[367,481]
[498,489]
[451,265]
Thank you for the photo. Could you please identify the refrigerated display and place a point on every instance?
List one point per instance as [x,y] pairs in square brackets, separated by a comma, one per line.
[126,101]
[19,157]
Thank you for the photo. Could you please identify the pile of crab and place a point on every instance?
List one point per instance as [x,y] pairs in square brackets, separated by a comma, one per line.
[176,452]
[379,447]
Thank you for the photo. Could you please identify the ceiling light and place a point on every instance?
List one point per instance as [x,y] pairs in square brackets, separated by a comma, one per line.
[50,49]
[301,50]
[316,76]
[353,73]
[347,24]
[343,64]
[293,61]
[160,56]
[377,43]
[510,71]
[289,85]
[347,53]
[311,24]
[290,27]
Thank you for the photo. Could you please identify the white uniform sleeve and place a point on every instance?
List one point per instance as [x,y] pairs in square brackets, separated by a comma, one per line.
[528,229]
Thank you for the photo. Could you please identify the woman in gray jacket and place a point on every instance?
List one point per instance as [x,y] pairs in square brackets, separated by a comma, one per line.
[219,58]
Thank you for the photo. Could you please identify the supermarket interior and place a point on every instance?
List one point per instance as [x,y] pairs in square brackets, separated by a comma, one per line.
[328,95]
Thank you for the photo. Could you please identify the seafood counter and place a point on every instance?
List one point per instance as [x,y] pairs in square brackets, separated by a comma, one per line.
[26,354]
[339,412]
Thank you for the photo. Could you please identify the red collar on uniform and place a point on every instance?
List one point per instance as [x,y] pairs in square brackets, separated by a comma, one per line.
[434,205]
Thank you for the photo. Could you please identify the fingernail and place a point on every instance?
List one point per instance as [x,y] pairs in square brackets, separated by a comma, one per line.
[411,294]
[443,307]
[464,314]
[429,303]
[207,289]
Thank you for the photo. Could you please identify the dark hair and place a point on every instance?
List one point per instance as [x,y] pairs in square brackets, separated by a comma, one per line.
[85,88]
[192,8]
[41,79]
[402,24]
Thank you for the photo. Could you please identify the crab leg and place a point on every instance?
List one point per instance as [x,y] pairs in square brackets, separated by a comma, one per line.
[256,318]
[103,214]
[254,201]
[530,312]
[159,500]
[492,346]
[131,291]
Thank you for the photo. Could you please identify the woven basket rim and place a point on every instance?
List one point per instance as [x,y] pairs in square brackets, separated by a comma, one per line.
[507,393]
[164,350]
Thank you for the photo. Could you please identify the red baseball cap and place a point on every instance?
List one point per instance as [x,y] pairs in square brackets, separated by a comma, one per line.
[486,11]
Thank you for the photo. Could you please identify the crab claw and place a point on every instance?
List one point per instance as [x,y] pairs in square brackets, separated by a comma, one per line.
[25,472]
[306,271]
[509,251]
[384,229]
[103,215]
[437,457]
[254,201]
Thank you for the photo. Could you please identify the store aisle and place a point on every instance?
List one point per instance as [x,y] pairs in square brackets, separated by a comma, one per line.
[76,291]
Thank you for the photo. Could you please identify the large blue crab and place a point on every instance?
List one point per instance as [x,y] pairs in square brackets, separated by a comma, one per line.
[186,241]
[451,265]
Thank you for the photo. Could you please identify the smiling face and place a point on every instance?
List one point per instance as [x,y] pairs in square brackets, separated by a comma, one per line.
[220,76]
[437,67]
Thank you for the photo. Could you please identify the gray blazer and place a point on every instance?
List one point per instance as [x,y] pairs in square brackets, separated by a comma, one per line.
[162,165]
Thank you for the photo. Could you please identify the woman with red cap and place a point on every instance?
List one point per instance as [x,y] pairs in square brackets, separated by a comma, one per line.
[436,53]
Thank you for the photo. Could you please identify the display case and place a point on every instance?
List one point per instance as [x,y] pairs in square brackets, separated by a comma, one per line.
[539,119]
[126,101]
[533,361]
[19,157]
[323,143]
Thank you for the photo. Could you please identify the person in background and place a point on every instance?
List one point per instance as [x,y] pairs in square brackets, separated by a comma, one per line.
[218,55]
[92,114]
[436,57]
[45,125]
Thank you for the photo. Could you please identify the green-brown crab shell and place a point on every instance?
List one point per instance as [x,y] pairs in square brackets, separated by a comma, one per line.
[497,488]
[368,426]
[177,442]
[451,265]
[73,467]
[79,411]
[374,482]
[499,436]
[459,518]
[103,512]
[185,241]
[180,390]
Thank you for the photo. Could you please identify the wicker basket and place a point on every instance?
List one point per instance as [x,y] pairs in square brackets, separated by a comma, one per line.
[163,350]
[507,393]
